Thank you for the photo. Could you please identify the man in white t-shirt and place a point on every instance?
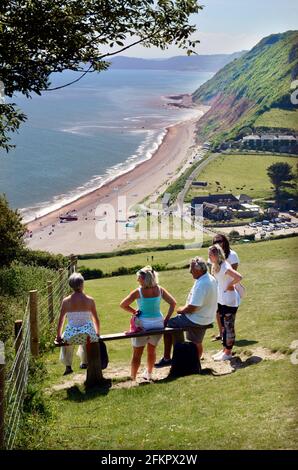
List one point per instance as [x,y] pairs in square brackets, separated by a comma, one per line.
[199,310]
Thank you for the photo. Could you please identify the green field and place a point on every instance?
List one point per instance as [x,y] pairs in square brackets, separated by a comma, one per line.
[239,173]
[170,258]
[278,118]
[253,408]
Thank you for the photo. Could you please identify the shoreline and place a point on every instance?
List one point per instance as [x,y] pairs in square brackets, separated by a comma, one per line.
[47,233]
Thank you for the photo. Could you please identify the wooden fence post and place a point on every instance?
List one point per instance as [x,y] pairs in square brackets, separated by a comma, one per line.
[50,302]
[2,391]
[33,323]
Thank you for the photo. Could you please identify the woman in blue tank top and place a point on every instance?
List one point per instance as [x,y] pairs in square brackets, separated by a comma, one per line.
[148,297]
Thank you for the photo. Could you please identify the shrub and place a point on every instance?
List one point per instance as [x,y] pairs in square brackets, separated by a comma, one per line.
[18,279]
[11,233]
[43,258]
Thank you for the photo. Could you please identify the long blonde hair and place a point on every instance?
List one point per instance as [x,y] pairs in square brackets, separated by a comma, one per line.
[149,276]
[218,251]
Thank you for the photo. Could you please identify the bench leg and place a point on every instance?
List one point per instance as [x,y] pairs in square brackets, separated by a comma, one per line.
[94,372]
[178,337]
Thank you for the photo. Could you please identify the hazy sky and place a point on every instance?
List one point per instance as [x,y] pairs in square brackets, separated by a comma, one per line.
[226,26]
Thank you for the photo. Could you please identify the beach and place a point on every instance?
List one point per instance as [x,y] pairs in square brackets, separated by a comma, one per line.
[149,177]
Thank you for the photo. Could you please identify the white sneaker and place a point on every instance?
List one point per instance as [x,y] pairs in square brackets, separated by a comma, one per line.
[219,353]
[146,375]
[223,357]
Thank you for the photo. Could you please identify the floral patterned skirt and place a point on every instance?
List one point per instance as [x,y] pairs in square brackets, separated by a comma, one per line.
[79,334]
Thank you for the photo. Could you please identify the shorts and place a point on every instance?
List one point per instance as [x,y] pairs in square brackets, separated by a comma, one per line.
[149,324]
[196,335]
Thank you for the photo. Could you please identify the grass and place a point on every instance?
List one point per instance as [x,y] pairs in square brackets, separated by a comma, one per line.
[170,257]
[278,118]
[253,408]
[240,173]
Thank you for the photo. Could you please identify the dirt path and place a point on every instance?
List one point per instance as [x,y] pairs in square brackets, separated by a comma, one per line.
[119,375]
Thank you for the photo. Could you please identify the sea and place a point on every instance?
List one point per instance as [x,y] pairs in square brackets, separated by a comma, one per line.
[78,138]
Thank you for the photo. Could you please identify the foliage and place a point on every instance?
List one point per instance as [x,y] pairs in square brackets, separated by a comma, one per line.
[178,185]
[233,234]
[96,273]
[43,258]
[11,233]
[18,279]
[265,414]
[130,251]
[278,119]
[249,86]
[239,173]
[280,174]
[57,35]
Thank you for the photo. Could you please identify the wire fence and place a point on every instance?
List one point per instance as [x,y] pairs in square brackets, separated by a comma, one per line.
[47,310]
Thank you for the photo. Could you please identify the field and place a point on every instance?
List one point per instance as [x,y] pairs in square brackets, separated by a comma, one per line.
[239,173]
[252,408]
[278,118]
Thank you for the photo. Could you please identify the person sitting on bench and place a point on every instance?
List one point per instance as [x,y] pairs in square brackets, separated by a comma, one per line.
[200,310]
[148,297]
[83,323]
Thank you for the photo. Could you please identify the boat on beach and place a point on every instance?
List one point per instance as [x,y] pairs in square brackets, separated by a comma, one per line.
[68,217]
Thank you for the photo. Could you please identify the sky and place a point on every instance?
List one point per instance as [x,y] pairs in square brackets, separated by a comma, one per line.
[226,26]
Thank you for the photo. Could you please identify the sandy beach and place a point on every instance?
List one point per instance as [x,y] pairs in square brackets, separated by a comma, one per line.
[81,236]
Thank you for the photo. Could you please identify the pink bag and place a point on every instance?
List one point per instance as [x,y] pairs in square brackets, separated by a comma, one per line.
[135,325]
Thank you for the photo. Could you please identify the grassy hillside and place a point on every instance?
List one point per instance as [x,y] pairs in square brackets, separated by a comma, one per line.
[239,173]
[253,408]
[278,119]
[249,86]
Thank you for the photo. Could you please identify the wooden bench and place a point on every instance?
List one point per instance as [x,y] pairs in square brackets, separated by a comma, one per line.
[94,375]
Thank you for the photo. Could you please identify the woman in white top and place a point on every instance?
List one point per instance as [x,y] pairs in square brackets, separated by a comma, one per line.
[83,323]
[228,299]
[233,259]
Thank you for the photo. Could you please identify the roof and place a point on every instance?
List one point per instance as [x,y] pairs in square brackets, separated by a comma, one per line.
[268,137]
[287,137]
[250,206]
[242,196]
[222,199]
[251,137]
[166,198]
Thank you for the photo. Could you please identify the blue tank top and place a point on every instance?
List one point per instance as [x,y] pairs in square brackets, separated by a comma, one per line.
[149,306]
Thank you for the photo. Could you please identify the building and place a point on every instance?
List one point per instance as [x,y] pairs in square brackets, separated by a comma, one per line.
[214,212]
[277,142]
[218,199]
[216,206]
[244,199]
[199,183]
[165,202]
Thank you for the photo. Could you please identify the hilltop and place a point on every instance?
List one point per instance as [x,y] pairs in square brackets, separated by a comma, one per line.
[252,90]
[201,63]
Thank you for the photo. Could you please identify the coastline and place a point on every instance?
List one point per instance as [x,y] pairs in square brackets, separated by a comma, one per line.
[135,184]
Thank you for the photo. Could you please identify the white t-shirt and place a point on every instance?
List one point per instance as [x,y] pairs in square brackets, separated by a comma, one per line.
[226,297]
[233,258]
[204,295]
